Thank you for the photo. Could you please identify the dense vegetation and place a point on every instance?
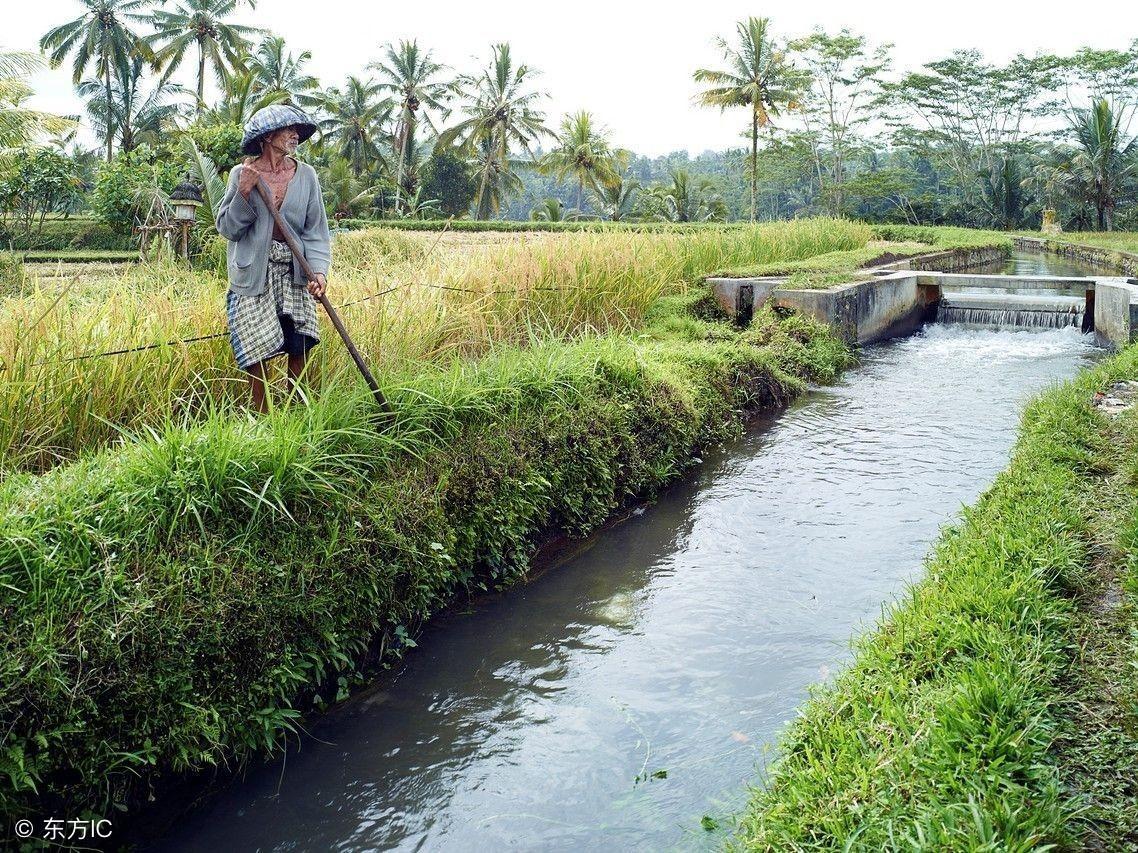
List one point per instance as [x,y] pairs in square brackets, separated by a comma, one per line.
[993,708]
[407,300]
[833,129]
[182,601]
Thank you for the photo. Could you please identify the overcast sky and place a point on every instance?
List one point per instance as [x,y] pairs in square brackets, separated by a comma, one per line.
[630,64]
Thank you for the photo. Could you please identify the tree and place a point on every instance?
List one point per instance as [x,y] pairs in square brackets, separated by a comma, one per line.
[758,77]
[135,116]
[446,177]
[845,78]
[100,37]
[616,199]
[280,75]
[687,199]
[18,124]
[345,193]
[412,79]
[37,182]
[1105,166]
[501,113]
[354,123]
[583,151]
[239,100]
[220,44]
[127,190]
[548,210]
[966,116]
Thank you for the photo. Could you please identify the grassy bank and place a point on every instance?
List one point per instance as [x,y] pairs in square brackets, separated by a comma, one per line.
[962,723]
[180,602]
[890,243]
[412,303]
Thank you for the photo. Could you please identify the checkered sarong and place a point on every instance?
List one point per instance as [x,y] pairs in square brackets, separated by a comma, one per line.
[254,321]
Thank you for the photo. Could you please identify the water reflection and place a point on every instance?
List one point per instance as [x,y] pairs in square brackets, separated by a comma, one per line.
[614,701]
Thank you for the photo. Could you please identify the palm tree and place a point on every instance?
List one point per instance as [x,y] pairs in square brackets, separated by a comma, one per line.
[758,77]
[279,74]
[355,122]
[615,199]
[1104,170]
[583,151]
[548,210]
[135,116]
[688,199]
[201,22]
[239,100]
[101,37]
[18,124]
[502,112]
[411,78]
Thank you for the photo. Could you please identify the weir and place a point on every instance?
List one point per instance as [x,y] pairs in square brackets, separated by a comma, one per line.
[897,302]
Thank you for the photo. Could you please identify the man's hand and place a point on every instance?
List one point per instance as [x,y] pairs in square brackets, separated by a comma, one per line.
[247,179]
[317,287]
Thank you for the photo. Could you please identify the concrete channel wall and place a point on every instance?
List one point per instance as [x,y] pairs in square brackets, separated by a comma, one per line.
[904,294]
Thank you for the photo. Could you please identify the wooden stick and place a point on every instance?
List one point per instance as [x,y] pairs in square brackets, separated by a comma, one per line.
[298,253]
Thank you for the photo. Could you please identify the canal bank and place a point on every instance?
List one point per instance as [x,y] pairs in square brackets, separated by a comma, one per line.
[993,706]
[223,579]
[625,699]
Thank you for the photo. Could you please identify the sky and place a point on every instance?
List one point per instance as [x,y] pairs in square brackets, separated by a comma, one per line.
[630,64]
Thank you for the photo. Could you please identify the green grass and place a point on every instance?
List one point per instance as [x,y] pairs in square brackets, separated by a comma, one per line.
[73,233]
[439,302]
[840,266]
[79,256]
[945,731]
[512,226]
[183,600]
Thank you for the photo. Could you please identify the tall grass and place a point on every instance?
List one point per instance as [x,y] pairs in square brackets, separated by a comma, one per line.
[940,735]
[176,603]
[447,302]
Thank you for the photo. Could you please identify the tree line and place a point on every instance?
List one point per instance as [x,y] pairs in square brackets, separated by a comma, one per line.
[829,127]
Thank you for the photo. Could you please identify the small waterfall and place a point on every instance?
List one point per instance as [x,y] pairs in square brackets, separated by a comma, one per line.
[1011,310]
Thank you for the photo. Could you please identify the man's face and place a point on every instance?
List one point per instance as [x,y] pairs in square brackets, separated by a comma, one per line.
[286,139]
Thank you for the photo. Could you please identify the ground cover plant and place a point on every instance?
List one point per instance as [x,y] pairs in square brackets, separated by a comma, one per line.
[181,601]
[963,721]
[407,301]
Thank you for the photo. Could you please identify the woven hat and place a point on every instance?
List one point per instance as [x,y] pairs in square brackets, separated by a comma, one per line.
[274,117]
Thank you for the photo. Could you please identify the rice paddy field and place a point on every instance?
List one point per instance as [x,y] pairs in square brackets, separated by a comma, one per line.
[410,300]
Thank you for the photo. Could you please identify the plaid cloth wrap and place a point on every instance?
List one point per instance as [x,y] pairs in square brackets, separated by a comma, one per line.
[254,321]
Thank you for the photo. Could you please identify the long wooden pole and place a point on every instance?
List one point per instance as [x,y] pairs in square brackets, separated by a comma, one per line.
[298,253]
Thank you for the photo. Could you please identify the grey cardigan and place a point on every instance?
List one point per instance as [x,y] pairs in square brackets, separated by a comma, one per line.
[248,226]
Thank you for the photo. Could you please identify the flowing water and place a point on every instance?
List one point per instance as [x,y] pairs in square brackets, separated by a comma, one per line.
[622,696]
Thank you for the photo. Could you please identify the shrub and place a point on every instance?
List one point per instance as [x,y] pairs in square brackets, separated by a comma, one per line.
[11,273]
[125,187]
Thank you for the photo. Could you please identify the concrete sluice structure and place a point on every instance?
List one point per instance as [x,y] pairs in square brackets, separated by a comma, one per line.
[902,297]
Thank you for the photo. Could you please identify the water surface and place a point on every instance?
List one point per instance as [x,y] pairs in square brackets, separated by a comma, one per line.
[619,698]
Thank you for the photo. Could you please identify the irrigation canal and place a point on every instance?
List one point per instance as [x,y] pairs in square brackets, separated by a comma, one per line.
[619,698]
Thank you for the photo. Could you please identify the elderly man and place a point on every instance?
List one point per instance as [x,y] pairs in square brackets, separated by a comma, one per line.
[270,311]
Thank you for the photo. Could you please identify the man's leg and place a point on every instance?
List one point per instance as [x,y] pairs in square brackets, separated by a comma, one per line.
[258,385]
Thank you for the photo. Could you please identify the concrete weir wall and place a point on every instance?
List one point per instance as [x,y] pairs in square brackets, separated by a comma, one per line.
[905,294]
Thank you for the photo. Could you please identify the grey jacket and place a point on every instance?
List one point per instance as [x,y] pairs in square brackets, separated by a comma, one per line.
[248,226]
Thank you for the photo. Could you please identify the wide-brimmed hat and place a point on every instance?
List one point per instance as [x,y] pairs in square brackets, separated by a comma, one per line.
[274,117]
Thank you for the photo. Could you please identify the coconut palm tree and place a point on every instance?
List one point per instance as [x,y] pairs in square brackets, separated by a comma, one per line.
[135,116]
[355,123]
[18,124]
[501,113]
[758,77]
[583,151]
[100,37]
[688,199]
[221,45]
[615,200]
[279,74]
[548,210]
[239,100]
[1104,169]
[413,81]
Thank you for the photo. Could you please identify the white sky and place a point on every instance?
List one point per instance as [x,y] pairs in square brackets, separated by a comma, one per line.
[629,63]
